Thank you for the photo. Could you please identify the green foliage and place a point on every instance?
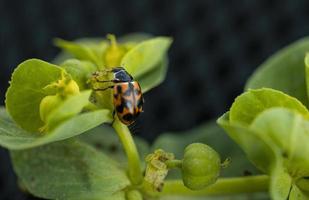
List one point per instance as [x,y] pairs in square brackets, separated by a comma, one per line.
[209,133]
[146,55]
[69,170]
[275,141]
[26,91]
[79,70]
[49,103]
[88,51]
[248,105]
[13,137]
[284,71]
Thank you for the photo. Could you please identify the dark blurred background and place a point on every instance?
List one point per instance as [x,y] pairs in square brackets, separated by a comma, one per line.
[217,45]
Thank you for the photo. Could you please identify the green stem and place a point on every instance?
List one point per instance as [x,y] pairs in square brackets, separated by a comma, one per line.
[174,164]
[224,186]
[134,167]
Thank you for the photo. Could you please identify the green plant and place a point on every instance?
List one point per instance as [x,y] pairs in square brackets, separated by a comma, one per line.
[52,126]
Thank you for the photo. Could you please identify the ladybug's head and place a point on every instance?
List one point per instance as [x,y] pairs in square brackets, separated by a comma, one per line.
[121,75]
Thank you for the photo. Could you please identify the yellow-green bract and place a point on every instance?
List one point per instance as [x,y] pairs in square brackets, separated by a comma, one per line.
[273,129]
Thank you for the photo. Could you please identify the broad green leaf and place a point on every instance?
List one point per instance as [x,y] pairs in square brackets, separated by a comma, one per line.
[69,170]
[79,70]
[248,105]
[69,108]
[146,55]
[13,137]
[288,132]
[257,150]
[154,77]
[105,139]
[211,134]
[25,93]
[84,51]
[284,71]
[92,42]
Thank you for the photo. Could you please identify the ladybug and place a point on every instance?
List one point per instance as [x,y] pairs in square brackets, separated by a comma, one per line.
[127,95]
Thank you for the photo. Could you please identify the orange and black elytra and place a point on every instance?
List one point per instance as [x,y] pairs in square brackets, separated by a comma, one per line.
[127,95]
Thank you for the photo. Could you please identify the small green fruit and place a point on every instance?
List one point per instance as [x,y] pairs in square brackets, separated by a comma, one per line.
[200,167]
[48,104]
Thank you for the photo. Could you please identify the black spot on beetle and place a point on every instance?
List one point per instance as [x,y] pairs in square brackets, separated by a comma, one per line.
[119,89]
[128,117]
[119,108]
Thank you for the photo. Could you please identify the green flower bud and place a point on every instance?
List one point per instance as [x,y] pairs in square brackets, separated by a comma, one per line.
[134,195]
[114,53]
[71,88]
[48,104]
[200,167]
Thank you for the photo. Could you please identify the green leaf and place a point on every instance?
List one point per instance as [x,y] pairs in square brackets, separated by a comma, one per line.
[79,70]
[105,139]
[69,170]
[248,105]
[69,108]
[130,38]
[288,132]
[276,142]
[25,93]
[211,134]
[154,77]
[284,71]
[257,150]
[13,137]
[84,50]
[146,55]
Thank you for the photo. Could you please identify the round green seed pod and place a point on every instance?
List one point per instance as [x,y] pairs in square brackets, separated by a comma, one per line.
[48,104]
[200,167]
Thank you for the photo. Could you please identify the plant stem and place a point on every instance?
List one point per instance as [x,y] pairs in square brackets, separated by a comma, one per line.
[172,164]
[224,186]
[134,167]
